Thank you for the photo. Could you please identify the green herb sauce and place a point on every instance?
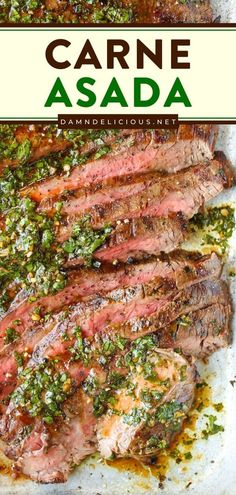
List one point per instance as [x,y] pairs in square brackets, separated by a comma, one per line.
[216,226]
[42,391]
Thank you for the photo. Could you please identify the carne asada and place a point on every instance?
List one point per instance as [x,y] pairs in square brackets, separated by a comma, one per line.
[151,151]
[185,192]
[69,333]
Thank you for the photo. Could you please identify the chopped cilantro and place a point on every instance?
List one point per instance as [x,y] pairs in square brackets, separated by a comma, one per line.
[80,350]
[154,442]
[11,336]
[23,151]
[184,321]
[42,391]
[19,359]
[188,455]
[218,407]
[70,12]
[135,416]
[85,240]
[211,427]
[216,226]
[166,412]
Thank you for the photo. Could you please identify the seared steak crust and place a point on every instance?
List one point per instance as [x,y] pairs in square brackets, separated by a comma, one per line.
[47,454]
[185,192]
[152,151]
[143,236]
[171,11]
[175,305]
[201,332]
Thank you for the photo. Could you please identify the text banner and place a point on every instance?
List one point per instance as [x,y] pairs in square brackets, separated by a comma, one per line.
[184,71]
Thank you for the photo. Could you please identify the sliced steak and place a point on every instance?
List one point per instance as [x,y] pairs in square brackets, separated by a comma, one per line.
[135,312]
[28,402]
[159,383]
[47,139]
[92,315]
[44,338]
[82,200]
[167,152]
[103,197]
[113,138]
[48,454]
[131,313]
[201,333]
[145,422]
[140,237]
[20,349]
[185,192]
[197,334]
[189,300]
[195,330]
[180,267]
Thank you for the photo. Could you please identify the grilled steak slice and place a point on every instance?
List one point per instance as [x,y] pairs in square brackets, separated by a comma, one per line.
[194,330]
[146,421]
[180,267]
[140,237]
[201,333]
[136,314]
[166,152]
[196,297]
[82,200]
[47,454]
[185,192]
[131,313]
[197,334]
[59,377]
